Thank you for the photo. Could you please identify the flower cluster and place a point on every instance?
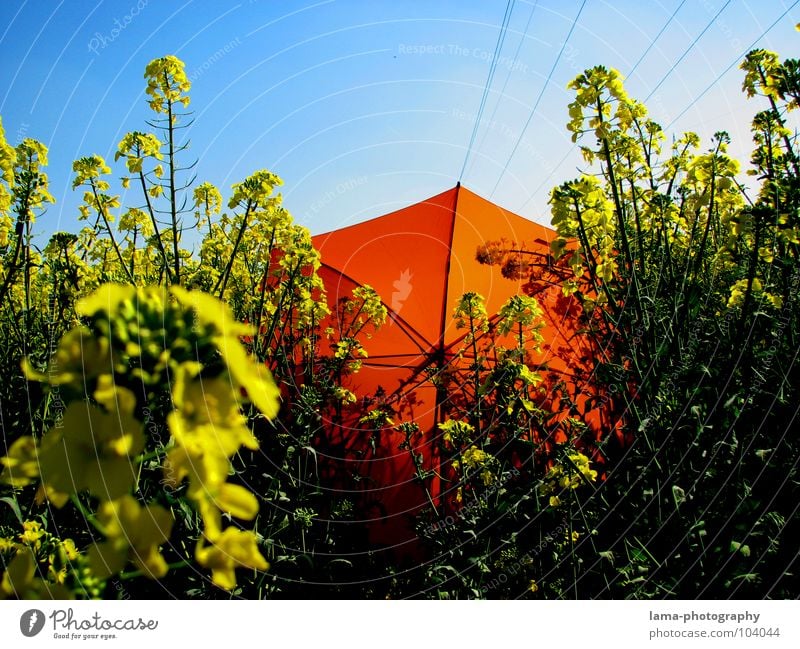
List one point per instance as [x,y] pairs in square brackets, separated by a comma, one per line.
[365,308]
[475,460]
[522,314]
[137,344]
[455,432]
[7,159]
[470,313]
[137,146]
[255,191]
[167,84]
[377,418]
[581,211]
[601,104]
[88,169]
[42,566]
[31,188]
[740,288]
[573,471]
[207,202]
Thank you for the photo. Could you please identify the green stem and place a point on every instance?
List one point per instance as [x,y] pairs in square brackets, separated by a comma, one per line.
[87,514]
[156,232]
[13,267]
[173,208]
[101,210]
[150,456]
[223,280]
[133,574]
[476,375]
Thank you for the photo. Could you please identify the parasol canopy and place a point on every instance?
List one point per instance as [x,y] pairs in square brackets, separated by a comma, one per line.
[421,259]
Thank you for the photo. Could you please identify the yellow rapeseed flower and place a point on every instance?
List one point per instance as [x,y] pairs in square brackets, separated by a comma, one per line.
[208,428]
[234,548]
[133,532]
[79,358]
[70,551]
[20,580]
[32,532]
[92,450]
[474,457]
[57,576]
[167,83]
[21,464]
[255,379]
[207,417]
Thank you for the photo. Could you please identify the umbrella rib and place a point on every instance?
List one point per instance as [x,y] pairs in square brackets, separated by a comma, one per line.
[440,351]
[443,320]
[391,365]
[406,388]
[409,355]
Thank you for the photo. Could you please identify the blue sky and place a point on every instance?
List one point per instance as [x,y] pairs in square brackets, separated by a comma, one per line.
[365,106]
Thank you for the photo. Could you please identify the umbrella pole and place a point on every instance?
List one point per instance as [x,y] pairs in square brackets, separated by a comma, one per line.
[438,418]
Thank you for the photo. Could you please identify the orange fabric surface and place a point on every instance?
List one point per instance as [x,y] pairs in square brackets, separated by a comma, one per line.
[421,260]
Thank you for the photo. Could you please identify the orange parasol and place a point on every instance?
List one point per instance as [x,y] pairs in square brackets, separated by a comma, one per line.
[421,259]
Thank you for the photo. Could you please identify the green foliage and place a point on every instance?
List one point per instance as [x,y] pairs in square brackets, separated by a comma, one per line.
[690,283]
[189,393]
[141,413]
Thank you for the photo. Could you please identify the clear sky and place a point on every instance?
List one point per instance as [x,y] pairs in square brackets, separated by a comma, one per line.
[366,106]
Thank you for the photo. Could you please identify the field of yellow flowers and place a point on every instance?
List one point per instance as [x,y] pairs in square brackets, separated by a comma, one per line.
[161,408]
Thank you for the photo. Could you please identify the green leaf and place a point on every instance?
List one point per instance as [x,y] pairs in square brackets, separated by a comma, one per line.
[12,502]
[678,496]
